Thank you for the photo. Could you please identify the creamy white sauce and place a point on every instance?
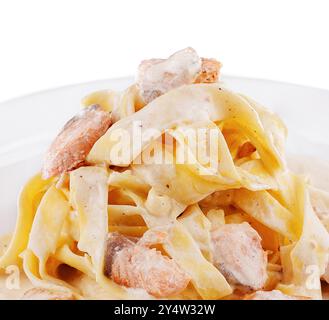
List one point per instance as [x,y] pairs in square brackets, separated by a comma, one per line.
[315,169]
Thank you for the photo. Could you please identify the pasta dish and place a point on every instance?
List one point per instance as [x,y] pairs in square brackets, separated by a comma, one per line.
[176,188]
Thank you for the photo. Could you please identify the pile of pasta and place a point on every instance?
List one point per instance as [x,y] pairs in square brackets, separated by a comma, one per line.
[66,220]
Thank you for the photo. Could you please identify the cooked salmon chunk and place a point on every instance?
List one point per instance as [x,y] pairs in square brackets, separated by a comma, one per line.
[209,71]
[71,147]
[136,266]
[238,254]
[157,76]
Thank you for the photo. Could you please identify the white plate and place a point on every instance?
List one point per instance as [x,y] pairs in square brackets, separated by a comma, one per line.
[28,124]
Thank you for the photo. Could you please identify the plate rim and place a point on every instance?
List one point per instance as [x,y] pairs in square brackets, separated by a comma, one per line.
[131,77]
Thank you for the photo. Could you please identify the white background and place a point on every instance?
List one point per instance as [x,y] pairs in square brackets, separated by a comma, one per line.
[46,44]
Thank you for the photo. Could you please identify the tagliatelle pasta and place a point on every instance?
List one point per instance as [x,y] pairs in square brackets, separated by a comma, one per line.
[28,203]
[186,195]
